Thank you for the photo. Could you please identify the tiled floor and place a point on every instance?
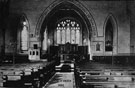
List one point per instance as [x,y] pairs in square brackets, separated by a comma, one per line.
[61,80]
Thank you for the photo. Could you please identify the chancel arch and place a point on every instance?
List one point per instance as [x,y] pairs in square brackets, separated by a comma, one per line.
[77,6]
[60,10]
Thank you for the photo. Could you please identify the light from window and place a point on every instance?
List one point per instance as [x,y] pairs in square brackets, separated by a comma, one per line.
[24,38]
[68,31]
[45,41]
[68,35]
[77,36]
[58,36]
[63,36]
[72,36]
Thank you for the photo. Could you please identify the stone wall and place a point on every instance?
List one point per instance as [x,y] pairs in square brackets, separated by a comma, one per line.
[100,10]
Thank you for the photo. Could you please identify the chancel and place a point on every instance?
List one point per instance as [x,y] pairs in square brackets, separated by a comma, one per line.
[67,44]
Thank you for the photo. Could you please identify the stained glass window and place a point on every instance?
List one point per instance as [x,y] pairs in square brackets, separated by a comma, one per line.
[68,31]
[24,37]
[58,36]
[45,41]
[68,35]
[63,36]
[77,36]
[72,36]
[109,36]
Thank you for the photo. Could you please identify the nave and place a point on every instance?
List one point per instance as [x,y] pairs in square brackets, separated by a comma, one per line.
[67,43]
[87,74]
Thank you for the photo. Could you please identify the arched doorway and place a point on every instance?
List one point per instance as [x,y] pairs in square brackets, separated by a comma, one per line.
[68,10]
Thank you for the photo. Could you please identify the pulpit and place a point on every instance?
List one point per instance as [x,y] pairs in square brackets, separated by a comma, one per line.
[34,54]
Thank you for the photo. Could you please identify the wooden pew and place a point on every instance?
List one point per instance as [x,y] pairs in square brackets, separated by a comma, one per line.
[108,78]
[24,74]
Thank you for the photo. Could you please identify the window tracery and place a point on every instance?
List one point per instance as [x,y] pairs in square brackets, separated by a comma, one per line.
[68,31]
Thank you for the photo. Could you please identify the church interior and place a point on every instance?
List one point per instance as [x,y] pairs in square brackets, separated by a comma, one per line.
[67,43]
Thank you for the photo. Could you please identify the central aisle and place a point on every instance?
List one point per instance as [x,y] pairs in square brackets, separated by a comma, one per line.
[61,80]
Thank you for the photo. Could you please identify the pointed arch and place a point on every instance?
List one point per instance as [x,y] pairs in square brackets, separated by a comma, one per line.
[83,13]
[79,8]
[111,33]
[23,34]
